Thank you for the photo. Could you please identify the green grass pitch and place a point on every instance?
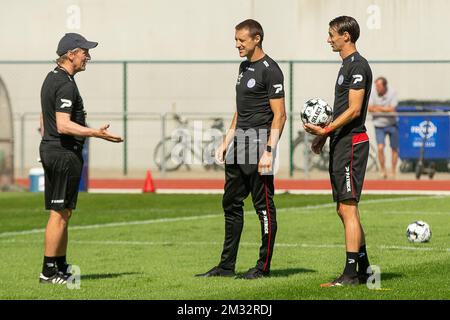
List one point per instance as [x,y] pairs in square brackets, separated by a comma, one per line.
[150,246]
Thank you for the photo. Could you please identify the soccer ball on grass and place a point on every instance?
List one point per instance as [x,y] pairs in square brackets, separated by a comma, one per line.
[418,231]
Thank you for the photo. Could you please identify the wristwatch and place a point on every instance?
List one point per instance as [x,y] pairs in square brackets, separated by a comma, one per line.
[268,148]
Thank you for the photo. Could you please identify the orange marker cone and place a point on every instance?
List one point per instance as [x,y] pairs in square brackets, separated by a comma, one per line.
[148,185]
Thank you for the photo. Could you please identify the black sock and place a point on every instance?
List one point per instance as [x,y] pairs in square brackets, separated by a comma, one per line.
[49,267]
[363,260]
[350,264]
[61,263]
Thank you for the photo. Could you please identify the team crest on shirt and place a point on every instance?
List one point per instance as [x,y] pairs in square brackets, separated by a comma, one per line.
[251,83]
[340,79]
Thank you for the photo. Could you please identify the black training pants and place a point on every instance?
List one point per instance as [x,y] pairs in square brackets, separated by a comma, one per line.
[240,180]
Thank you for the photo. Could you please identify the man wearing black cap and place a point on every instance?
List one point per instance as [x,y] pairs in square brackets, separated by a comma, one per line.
[63,129]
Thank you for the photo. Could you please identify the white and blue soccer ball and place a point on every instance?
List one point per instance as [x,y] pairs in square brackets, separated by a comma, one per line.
[418,231]
[317,112]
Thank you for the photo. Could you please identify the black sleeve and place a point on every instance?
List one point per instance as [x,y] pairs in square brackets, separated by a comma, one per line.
[241,69]
[358,75]
[274,81]
[241,66]
[65,97]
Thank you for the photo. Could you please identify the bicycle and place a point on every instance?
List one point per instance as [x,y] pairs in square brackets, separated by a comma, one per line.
[302,147]
[179,150]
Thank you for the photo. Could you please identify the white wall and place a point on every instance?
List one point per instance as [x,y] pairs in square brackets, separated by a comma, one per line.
[204,30]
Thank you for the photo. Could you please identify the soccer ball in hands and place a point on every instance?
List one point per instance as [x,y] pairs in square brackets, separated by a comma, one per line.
[317,112]
[418,231]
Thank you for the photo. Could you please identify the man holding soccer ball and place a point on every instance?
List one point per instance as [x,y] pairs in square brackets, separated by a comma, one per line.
[349,144]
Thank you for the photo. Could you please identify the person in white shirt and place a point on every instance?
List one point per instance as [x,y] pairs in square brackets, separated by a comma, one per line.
[384,101]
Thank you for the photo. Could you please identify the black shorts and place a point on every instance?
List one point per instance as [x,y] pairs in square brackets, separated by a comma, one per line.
[62,168]
[348,162]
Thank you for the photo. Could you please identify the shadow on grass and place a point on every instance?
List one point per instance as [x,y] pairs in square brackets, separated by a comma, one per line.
[289,272]
[106,275]
[390,275]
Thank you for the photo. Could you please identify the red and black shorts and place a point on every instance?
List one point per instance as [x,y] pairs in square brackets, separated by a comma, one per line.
[348,162]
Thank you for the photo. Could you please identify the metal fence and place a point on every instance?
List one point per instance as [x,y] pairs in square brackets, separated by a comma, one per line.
[139,98]
[154,142]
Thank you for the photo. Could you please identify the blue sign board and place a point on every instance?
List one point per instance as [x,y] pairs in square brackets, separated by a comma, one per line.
[434,131]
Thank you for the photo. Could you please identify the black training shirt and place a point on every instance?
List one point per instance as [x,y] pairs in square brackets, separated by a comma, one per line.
[60,93]
[257,82]
[355,73]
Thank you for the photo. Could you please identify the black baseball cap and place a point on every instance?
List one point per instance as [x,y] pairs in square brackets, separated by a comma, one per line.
[72,41]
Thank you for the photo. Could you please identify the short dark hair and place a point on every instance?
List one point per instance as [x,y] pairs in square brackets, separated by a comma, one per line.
[346,24]
[254,28]
[383,81]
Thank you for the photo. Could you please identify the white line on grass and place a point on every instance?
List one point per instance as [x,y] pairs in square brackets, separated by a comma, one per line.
[424,212]
[164,220]
[277,191]
[413,248]
[112,224]
[214,243]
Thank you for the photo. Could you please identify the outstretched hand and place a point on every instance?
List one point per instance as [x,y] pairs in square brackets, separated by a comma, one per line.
[104,134]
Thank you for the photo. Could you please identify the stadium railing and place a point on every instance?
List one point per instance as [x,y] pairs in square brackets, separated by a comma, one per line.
[140,88]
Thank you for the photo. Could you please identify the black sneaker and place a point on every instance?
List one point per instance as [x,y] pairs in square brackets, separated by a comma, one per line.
[364,277]
[342,280]
[253,273]
[57,278]
[216,272]
[67,270]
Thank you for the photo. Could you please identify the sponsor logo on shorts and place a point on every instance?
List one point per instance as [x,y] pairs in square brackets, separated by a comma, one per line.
[58,201]
[347,179]
[266,222]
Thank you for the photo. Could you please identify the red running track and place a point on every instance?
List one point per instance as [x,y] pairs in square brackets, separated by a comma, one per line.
[283,184]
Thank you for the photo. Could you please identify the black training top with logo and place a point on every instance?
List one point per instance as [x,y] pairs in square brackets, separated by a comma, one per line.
[258,81]
[355,73]
[60,93]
